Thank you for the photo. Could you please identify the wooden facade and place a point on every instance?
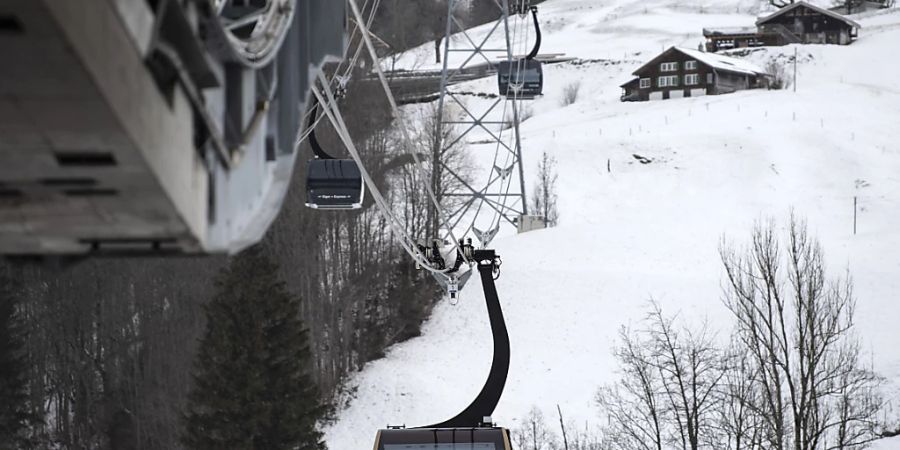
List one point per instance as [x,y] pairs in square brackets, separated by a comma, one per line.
[797,23]
[804,23]
[678,73]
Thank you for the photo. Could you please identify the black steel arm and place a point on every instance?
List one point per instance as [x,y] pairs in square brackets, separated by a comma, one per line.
[486,401]
[313,142]
[537,30]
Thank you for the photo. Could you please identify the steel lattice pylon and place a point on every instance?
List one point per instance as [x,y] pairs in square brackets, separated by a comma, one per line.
[500,195]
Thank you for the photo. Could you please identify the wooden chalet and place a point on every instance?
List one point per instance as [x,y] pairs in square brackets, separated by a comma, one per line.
[680,72]
[796,23]
[804,23]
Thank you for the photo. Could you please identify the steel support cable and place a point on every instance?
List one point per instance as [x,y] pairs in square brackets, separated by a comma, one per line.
[404,132]
[337,121]
[381,203]
[375,5]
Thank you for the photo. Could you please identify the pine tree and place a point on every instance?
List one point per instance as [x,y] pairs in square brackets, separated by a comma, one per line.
[252,386]
[15,417]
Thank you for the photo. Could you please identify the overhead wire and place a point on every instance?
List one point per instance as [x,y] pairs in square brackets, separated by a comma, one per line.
[346,74]
[334,116]
[338,77]
[332,112]
[403,130]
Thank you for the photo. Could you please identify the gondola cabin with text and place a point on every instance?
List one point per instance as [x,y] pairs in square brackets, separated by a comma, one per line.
[331,183]
[486,438]
[523,78]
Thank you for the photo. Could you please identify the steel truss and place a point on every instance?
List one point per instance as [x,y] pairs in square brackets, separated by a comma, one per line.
[500,196]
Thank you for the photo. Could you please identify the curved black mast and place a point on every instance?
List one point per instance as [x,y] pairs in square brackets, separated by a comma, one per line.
[313,142]
[537,31]
[486,401]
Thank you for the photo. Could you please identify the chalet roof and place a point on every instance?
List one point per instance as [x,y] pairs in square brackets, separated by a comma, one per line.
[802,3]
[729,31]
[718,62]
[631,81]
[721,62]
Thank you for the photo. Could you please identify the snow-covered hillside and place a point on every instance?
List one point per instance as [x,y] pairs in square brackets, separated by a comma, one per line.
[644,231]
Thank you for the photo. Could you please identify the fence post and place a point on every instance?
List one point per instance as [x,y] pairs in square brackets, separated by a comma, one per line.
[795,69]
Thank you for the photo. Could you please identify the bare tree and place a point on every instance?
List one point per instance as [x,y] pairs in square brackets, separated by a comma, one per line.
[635,405]
[449,165]
[587,438]
[544,197]
[796,326]
[689,367]
[777,74]
[737,424]
[534,433]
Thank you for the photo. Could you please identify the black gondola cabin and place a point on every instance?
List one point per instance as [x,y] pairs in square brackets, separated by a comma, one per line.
[334,184]
[523,78]
[443,439]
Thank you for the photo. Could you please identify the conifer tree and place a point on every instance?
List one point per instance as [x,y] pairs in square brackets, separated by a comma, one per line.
[252,386]
[15,417]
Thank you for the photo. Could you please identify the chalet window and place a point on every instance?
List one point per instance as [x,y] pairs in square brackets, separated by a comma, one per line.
[690,65]
[671,80]
[668,67]
[692,79]
[709,78]
[645,83]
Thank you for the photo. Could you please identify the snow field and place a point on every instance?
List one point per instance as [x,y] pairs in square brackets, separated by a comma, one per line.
[642,231]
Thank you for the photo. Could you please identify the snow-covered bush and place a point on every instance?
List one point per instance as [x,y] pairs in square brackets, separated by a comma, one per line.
[776,70]
[570,93]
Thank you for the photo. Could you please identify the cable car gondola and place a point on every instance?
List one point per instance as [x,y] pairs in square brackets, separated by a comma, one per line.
[331,184]
[334,184]
[471,429]
[523,78]
[482,438]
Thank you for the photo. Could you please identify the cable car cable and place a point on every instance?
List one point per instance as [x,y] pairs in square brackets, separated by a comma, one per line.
[347,72]
[341,129]
[397,113]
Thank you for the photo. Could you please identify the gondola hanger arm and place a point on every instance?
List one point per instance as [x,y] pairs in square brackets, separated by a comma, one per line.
[537,31]
[313,141]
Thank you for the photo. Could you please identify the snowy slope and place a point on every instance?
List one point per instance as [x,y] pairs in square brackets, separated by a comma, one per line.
[652,231]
